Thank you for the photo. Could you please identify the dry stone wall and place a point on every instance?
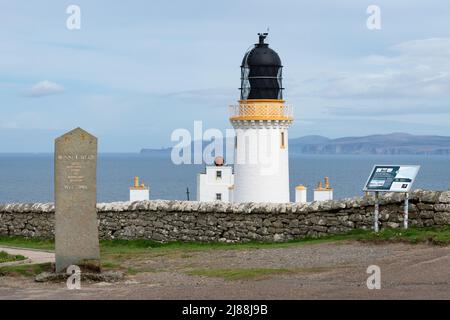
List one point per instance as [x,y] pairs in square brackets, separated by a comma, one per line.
[164,220]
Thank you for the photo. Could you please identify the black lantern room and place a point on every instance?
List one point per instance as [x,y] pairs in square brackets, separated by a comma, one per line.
[261,75]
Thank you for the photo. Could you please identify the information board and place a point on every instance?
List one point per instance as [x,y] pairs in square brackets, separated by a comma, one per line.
[391,178]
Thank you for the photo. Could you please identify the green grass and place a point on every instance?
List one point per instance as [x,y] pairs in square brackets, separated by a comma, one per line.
[117,254]
[110,265]
[413,235]
[125,247]
[240,273]
[42,244]
[5,257]
[28,270]
[133,271]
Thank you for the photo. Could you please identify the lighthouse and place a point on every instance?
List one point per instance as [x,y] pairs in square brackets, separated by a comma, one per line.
[261,120]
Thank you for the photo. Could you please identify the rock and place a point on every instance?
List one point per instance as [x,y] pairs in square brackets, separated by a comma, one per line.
[355,217]
[441,218]
[277,224]
[442,207]
[426,214]
[429,196]
[278,237]
[425,206]
[320,228]
[51,277]
[109,276]
[393,224]
[444,197]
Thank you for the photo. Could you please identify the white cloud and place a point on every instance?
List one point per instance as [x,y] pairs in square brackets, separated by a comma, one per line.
[213,96]
[425,47]
[410,70]
[8,125]
[44,88]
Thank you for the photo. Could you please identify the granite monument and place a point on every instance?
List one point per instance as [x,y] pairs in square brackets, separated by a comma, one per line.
[76,227]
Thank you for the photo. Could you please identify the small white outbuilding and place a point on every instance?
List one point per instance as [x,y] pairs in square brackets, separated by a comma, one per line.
[323,193]
[139,192]
[300,194]
[216,183]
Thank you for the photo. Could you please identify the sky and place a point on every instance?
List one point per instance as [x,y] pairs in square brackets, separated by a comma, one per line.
[137,70]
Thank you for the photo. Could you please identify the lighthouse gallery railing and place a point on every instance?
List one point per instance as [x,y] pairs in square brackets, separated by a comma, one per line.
[261,112]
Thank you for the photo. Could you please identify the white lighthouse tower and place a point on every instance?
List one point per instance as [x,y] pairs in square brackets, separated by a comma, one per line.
[261,121]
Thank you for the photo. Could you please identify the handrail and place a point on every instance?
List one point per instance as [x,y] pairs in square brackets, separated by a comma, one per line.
[261,112]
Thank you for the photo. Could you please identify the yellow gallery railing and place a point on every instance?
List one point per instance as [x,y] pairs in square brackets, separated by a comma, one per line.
[261,111]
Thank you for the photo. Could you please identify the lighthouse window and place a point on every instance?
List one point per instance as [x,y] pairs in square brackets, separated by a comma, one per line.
[282,140]
[218,196]
[218,174]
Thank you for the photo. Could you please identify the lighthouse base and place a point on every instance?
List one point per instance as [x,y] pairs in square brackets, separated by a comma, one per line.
[261,162]
[251,186]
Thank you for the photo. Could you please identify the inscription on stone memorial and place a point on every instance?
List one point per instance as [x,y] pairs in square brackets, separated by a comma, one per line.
[76,231]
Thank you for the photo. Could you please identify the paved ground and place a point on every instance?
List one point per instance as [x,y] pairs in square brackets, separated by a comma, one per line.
[326,271]
[34,256]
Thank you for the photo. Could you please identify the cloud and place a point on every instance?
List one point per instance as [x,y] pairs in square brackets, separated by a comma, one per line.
[409,70]
[388,110]
[425,47]
[205,95]
[44,88]
[8,125]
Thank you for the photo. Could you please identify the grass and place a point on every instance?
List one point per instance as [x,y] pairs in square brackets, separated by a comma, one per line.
[41,244]
[133,271]
[28,270]
[110,265]
[125,247]
[120,254]
[238,274]
[432,235]
[5,257]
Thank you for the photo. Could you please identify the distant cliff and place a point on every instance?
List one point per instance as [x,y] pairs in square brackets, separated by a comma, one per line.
[394,143]
[389,144]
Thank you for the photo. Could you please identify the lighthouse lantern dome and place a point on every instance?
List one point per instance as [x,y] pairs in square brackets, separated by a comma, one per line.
[261,72]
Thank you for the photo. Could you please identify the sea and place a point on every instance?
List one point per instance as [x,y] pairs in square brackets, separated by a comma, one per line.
[28,178]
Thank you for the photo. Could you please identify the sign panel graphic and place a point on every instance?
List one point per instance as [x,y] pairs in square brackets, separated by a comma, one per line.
[391,178]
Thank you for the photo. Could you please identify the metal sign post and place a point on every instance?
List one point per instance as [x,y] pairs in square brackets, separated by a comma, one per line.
[391,178]
[406,210]
[377,211]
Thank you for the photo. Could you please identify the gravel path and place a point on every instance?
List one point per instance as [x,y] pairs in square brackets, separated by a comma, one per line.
[326,271]
[34,256]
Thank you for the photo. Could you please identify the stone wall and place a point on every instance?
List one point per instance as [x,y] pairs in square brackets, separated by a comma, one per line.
[195,221]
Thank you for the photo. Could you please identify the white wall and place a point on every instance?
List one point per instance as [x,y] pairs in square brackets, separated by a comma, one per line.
[208,185]
[322,195]
[139,194]
[261,165]
[300,195]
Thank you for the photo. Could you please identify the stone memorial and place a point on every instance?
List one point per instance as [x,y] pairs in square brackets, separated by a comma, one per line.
[76,230]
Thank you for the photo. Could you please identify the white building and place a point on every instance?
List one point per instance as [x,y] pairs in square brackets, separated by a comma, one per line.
[300,194]
[261,121]
[139,192]
[216,184]
[323,193]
